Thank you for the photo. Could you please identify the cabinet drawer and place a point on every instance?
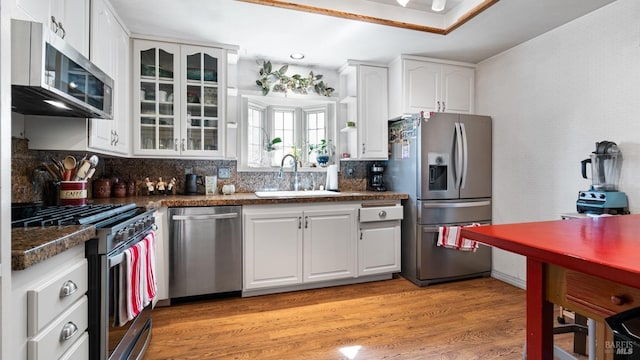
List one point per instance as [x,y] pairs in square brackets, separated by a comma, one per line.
[79,350]
[61,334]
[382,213]
[600,296]
[49,299]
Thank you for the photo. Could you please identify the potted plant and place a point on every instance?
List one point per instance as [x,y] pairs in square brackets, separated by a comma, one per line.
[269,147]
[322,151]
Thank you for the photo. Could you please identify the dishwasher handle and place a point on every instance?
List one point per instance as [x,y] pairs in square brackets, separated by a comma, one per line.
[204,217]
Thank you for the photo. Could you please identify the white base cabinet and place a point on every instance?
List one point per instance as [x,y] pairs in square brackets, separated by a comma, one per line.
[49,309]
[329,251]
[379,248]
[295,247]
[162,255]
[272,248]
[288,246]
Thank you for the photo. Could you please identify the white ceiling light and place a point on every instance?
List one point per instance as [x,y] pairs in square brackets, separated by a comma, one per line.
[402,2]
[297,56]
[438,5]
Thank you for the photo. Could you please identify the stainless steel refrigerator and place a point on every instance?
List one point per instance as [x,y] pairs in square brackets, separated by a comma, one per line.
[444,163]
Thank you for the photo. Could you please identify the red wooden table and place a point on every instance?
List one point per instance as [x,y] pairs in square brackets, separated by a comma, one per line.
[605,247]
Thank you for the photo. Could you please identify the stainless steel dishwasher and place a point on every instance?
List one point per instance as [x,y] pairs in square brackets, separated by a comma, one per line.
[205,250]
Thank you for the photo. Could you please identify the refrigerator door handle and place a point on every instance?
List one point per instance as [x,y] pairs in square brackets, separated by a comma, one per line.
[458,156]
[465,158]
[456,204]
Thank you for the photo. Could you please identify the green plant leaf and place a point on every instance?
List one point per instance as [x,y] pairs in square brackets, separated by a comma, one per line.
[268,67]
[283,69]
[276,141]
[319,76]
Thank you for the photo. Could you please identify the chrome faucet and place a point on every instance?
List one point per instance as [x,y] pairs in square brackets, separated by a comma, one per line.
[296,185]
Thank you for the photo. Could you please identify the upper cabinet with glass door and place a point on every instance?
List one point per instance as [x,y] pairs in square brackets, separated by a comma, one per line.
[201,77]
[178,100]
[156,98]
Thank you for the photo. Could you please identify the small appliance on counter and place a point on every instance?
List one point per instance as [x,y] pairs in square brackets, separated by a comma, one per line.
[191,183]
[603,197]
[376,182]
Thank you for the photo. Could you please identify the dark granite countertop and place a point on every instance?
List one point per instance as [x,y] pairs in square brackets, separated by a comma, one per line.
[30,246]
[248,199]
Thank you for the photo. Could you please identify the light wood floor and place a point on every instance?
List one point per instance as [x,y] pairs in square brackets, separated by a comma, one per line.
[394,319]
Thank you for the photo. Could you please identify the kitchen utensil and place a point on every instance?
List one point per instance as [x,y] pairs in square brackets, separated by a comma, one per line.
[53,174]
[83,170]
[69,166]
[93,160]
[90,173]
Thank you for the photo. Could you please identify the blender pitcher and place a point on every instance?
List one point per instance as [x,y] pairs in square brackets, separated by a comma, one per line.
[606,165]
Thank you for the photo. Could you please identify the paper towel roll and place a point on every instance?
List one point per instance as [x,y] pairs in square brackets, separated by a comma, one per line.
[332,177]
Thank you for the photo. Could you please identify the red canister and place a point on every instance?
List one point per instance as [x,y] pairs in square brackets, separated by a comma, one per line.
[101,188]
[73,193]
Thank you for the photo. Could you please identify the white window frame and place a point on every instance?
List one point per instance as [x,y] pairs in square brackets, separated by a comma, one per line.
[302,107]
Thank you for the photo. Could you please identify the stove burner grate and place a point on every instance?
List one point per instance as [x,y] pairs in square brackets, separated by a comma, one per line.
[73,215]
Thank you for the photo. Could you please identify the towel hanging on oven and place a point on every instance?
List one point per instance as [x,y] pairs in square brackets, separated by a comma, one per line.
[137,284]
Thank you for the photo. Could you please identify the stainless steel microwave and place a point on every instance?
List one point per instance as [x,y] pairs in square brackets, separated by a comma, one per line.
[50,77]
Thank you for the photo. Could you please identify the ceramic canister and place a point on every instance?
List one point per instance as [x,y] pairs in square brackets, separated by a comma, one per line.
[73,193]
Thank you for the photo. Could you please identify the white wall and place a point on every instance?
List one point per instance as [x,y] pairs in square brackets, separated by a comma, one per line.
[551,99]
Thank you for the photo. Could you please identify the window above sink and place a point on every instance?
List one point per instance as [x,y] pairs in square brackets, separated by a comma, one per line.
[294,122]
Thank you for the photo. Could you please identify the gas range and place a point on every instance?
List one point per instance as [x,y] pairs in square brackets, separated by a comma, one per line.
[115,224]
[98,215]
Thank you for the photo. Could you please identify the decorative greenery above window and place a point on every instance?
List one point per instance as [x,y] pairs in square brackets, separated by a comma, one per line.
[278,81]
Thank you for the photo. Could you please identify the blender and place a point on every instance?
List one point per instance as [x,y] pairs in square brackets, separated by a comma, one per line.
[603,197]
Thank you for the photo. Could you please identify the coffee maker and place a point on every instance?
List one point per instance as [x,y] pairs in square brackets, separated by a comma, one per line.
[375,182]
[603,197]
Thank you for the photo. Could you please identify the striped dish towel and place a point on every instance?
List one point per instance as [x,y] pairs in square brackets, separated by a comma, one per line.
[450,237]
[150,285]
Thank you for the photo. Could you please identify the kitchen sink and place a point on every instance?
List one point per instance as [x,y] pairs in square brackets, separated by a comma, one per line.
[295,194]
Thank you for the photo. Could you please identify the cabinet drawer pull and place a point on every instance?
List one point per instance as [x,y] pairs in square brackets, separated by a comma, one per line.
[68,330]
[68,288]
[382,214]
[618,300]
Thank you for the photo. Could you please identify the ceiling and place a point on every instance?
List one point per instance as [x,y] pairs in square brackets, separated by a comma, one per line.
[267,32]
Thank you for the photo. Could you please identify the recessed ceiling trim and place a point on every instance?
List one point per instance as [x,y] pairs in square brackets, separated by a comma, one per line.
[376,20]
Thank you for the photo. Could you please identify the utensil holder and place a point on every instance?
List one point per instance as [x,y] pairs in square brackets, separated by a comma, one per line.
[73,192]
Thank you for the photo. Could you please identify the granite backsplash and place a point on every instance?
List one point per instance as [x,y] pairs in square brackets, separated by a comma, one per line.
[30,182]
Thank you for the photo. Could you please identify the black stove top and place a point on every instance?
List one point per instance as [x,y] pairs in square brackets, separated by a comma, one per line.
[98,215]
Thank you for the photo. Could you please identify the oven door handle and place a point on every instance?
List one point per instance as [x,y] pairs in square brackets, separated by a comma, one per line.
[205,217]
[116,260]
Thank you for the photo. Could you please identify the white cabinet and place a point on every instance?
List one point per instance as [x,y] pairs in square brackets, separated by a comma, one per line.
[49,309]
[365,102]
[110,52]
[162,255]
[69,17]
[272,247]
[179,99]
[379,240]
[329,249]
[289,246]
[418,84]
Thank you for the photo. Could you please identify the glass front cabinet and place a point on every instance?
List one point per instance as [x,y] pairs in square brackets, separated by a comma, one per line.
[178,100]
